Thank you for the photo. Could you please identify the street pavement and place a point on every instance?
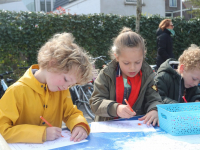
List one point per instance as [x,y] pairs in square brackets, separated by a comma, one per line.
[89,120]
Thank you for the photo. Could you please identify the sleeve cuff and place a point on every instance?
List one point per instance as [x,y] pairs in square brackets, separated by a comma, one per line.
[84,126]
[44,136]
[112,109]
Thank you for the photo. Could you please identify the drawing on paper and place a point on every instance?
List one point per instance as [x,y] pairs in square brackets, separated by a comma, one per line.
[121,126]
[60,142]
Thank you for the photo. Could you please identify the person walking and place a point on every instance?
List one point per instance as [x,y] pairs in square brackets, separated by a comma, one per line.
[164,41]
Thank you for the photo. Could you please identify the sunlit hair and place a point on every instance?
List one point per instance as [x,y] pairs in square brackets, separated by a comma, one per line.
[127,38]
[61,54]
[164,23]
[190,58]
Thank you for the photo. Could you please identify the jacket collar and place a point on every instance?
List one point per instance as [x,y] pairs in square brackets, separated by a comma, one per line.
[167,31]
[29,80]
[166,67]
[110,70]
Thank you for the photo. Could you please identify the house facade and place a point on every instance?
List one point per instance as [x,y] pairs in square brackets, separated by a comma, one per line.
[120,7]
[173,9]
[27,5]
[164,8]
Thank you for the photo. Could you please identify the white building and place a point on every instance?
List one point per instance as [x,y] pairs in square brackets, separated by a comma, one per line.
[27,5]
[120,7]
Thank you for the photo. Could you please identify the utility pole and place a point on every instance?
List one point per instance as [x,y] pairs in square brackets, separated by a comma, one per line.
[181,9]
[138,16]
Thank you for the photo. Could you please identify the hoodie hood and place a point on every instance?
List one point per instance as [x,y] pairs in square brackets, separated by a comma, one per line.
[166,67]
[159,31]
[29,80]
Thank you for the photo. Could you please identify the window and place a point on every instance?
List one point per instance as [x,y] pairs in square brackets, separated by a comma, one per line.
[46,5]
[172,3]
[168,14]
[42,5]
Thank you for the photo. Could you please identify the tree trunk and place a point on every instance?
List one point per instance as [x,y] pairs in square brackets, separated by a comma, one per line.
[138,12]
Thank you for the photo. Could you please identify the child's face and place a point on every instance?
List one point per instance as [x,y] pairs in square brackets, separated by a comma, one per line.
[60,81]
[191,77]
[130,61]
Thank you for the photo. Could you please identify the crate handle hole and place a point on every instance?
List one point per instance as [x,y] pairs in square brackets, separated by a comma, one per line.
[164,116]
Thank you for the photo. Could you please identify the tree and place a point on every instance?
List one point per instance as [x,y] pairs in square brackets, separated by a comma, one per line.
[195,10]
[138,12]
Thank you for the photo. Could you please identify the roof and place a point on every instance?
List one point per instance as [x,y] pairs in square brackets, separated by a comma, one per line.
[8,1]
[61,3]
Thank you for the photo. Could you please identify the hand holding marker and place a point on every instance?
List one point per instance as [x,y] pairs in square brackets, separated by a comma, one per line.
[47,123]
[128,105]
[131,109]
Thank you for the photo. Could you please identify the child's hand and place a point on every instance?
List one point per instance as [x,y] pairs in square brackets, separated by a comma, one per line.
[78,134]
[197,101]
[150,117]
[124,111]
[53,133]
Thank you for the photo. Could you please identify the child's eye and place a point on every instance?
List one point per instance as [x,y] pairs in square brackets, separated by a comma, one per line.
[65,79]
[137,62]
[126,63]
[194,79]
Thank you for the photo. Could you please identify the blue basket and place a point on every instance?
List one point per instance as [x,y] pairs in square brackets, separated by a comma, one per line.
[180,118]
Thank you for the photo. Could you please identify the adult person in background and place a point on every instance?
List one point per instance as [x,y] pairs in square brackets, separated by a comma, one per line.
[164,41]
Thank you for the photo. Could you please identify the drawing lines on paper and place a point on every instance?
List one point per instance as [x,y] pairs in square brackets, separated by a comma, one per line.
[121,126]
[60,142]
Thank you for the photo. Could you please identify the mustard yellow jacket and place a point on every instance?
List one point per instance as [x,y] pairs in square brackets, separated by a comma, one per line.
[28,99]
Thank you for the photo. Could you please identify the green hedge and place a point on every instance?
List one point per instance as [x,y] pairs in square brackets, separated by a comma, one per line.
[23,33]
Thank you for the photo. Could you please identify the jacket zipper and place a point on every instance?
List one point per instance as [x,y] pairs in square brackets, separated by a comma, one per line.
[180,93]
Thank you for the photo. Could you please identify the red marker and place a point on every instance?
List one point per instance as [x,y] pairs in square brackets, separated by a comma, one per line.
[184,99]
[128,105]
[47,122]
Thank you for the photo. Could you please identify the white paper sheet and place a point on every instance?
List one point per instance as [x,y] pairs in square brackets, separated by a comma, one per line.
[60,142]
[121,126]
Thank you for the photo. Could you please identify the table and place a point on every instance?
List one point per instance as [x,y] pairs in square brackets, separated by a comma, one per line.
[159,140]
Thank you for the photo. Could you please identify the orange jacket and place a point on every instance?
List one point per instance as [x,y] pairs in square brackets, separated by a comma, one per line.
[28,99]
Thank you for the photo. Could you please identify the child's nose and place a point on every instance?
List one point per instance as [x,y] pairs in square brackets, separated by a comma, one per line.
[132,67]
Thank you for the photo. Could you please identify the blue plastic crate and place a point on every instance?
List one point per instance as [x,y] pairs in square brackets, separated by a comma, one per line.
[180,118]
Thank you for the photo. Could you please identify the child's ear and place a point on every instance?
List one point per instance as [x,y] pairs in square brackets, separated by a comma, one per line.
[182,68]
[116,57]
[51,63]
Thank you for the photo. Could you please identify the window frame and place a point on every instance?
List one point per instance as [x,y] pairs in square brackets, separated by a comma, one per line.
[172,3]
[133,2]
[38,4]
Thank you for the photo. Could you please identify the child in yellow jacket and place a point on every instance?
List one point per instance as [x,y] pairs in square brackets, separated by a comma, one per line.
[44,91]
